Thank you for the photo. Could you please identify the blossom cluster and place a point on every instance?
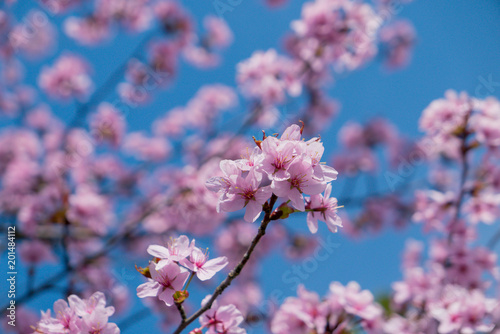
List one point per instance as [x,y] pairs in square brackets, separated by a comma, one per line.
[220,319]
[342,309]
[287,167]
[451,295]
[370,150]
[335,32]
[458,116]
[171,268]
[457,126]
[77,316]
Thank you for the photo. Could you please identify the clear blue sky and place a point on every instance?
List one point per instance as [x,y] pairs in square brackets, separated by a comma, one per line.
[458,45]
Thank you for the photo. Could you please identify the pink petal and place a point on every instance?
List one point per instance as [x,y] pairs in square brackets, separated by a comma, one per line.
[158,251]
[148,289]
[312,222]
[253,211]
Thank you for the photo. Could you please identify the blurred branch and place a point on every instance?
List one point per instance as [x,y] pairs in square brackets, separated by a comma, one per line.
[464,149]
[112,242]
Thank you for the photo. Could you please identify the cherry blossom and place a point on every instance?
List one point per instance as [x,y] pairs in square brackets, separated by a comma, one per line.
[68,78]
[205,269]
[325,208]
[222,319]
[166,278]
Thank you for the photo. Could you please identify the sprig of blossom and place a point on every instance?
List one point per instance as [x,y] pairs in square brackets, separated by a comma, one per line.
[77,316]
[171,267]
[287,167]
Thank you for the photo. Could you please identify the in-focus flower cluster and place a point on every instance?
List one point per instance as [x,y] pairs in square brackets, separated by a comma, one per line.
[171,268]
[77,316]
[287,167]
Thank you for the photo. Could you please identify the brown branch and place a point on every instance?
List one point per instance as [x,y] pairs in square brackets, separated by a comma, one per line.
[182,312]
[268,209]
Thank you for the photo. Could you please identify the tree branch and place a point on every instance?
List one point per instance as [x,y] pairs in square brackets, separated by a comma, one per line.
[182,312]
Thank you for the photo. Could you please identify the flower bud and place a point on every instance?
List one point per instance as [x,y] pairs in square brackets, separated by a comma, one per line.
[180,296]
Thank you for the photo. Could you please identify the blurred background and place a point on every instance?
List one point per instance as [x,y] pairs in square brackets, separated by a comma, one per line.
[457,47]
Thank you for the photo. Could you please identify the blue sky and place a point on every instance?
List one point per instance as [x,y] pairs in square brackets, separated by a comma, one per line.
[458,48]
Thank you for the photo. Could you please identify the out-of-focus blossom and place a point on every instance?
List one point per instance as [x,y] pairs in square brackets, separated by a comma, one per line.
[147,149]
[108,124]
[341,33]
[219,34]
[398,39]
[90,209]
[36,251]
[69,77]
[268,77]
[175,21]
[35,36]
[88,30]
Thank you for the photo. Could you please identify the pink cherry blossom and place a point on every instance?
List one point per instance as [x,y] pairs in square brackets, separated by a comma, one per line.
[147,148]
[246,192]
[97,322]
[218,32]
[68,78]
[177,249]
[88,30]
[108,124]
[36,251]
[35,36]
[301,181]
[325,208]
[90,209]
[444,116]
[355,300]
[398,40]
[268,76]
[80,316]
[484,208]
[95,302]
[340,29]
[303,314]
[224,319]
[205,269]
[278,156]
[166,278]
